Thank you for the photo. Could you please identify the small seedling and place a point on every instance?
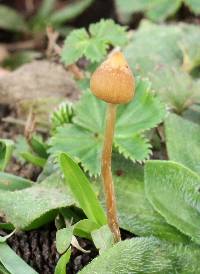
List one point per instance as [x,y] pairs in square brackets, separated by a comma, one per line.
[113,83]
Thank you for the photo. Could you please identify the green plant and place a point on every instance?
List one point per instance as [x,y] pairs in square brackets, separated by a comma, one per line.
[168,61]
[13,21]
[6,148]
[33,151]
[94,44]
[83,138]
[159,201]
[157,10]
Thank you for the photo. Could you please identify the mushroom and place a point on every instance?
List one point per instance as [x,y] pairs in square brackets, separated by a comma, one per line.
[112,82]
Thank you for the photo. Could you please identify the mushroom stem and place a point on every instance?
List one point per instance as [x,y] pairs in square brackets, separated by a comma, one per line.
[107,174]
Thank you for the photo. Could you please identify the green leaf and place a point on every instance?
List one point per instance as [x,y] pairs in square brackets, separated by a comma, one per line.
[63,115]
[3,270]
[74,46]
[193,5]
[63,239]
[146,255]
[180,90]
[84,227]
[63,261]
[33,206]
[39,147]
[70,12]
[88,151]
[110,32]
[33,159]
[82,190]
[45,9]
[189,45]
[13,263]
[11,20]
[160,59]
[83,139]
[6,149]
[157,10]
[102,238]
[192,114]
[183,141]
[93,45]
[11,182]
[173,190]
[135,212]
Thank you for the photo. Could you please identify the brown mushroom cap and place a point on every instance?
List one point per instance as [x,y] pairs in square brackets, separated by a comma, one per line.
[113,80]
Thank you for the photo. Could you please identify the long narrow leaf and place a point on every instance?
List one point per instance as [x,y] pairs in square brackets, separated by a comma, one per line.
[82,190]
[13,263]
[6,148]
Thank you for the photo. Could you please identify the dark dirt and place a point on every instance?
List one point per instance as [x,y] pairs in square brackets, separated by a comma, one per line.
[38,249]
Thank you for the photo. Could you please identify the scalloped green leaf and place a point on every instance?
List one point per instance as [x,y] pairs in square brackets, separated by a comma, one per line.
[145,111]
[33,206]
[109,31]
[93,45]
[183,141]
[173,190]
[146,255]
[135,212]
[83,139]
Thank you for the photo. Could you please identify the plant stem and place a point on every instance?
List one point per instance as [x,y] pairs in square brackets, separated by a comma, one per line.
[107,174]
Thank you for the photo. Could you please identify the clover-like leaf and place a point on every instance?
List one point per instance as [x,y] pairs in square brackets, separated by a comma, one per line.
[183,141]
[93,44]
[84,138]
[173,190]
[146,255]
[110,32]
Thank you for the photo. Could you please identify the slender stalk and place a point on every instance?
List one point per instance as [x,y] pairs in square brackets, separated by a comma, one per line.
[107,174]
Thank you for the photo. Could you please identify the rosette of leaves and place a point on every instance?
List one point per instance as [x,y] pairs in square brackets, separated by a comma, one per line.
[168,60]
[157,10]
[83,139]
[94,43]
